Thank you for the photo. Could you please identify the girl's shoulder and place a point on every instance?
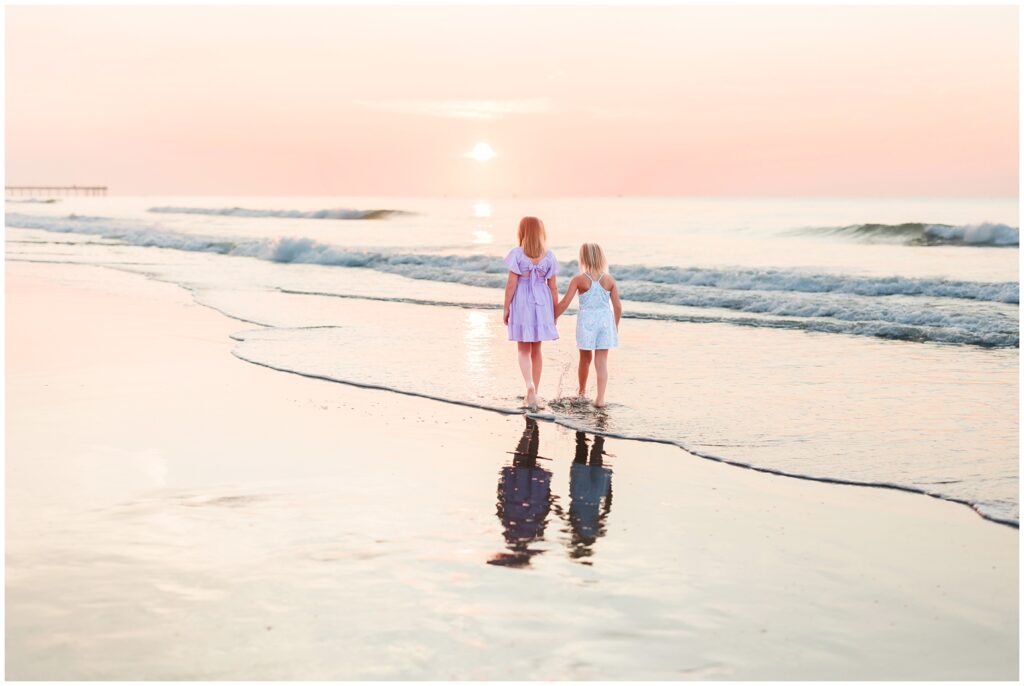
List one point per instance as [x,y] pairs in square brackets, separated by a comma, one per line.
[552,263]
[513,260]
[581,282]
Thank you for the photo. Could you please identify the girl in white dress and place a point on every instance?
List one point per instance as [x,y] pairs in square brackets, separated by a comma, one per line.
[597,325]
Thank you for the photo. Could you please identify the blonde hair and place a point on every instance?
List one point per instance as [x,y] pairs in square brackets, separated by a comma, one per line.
[532,236]
[592,258]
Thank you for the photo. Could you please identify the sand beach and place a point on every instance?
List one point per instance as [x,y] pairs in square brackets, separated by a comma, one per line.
[174,512]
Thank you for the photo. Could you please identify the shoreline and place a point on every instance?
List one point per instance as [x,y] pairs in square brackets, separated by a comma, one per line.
[540,416]
[117,395]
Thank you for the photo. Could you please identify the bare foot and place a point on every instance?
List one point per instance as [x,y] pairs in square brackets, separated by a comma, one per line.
[600,402]
[580,392]
[531,398]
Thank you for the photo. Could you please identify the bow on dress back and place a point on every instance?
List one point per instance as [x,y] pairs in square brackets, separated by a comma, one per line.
[537,274]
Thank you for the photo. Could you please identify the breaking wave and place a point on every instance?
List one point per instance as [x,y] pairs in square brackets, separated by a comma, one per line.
[903,308]
[334,213]
[915,233]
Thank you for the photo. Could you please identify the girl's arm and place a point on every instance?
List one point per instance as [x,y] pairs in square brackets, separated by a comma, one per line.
[510,290]
[569,295]
[554,295]
[616,303]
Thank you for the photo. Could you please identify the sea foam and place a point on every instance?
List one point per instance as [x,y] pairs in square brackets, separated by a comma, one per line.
[905,308]
[333,213]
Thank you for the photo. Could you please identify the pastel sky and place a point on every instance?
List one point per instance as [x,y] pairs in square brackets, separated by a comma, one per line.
[604,100]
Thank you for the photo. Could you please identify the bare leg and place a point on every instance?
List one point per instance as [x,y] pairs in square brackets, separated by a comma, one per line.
[538,364]
[585,357]
[526,367]
[601,364]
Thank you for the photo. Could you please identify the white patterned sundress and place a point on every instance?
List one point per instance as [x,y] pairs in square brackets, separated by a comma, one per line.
[595,324]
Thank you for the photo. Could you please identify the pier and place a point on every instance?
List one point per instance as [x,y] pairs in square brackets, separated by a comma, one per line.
[54,191]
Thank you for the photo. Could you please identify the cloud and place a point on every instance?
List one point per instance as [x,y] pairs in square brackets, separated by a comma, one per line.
[462,109]
[627,114]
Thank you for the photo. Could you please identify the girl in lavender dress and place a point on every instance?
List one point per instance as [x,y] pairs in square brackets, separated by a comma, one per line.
[530,297]
[597,324]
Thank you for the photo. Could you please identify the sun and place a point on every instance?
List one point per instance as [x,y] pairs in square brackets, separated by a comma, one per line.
[482,152]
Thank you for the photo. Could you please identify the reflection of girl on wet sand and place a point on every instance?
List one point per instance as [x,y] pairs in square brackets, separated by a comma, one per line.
[589,484]
[524,500]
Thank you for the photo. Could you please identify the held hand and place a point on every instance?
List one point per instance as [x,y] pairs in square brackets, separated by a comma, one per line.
[504,319]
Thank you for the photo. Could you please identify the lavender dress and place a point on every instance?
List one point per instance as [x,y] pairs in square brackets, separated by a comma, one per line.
[531,315]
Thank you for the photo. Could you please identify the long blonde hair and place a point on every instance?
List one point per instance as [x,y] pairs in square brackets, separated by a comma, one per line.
[532,236]
[592,258]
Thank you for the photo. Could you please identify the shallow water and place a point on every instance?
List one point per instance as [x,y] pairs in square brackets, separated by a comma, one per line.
[791,335]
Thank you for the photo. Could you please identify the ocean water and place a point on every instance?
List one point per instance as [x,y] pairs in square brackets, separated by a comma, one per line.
[869,341]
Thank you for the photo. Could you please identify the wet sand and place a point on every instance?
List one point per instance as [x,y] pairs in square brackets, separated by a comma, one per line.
[174,512]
